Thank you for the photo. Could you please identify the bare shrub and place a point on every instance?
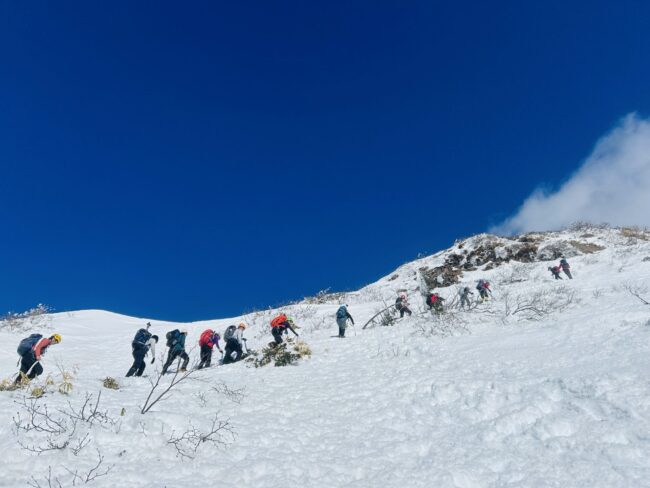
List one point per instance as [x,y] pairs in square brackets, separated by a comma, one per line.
[110,383]
[22,321]
[51,430]
[220,434]
[283,354]
[537,305]
[72,478]
[382,317]
[516,273]
[448,324]
[637,291]
[156,395]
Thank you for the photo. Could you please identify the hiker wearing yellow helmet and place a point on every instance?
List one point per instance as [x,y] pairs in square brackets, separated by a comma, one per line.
[30,350]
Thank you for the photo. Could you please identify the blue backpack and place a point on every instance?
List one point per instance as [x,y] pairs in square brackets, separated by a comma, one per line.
[141,338]
[341,313]
[28,343]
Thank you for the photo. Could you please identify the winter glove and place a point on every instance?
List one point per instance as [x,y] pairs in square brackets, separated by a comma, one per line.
[152,360]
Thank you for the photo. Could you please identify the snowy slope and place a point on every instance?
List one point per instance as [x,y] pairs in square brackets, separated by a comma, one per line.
[473,399]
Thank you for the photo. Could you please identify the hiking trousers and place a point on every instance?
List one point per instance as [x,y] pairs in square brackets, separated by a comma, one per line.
[138,362]
[171,357]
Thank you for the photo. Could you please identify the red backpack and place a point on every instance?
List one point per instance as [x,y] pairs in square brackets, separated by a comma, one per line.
[206,337]
[279,320]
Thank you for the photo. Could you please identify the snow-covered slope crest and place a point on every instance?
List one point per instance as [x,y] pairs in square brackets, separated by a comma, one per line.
[478,398]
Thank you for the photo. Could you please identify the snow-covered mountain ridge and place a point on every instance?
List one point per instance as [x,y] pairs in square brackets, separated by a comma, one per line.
[490,397]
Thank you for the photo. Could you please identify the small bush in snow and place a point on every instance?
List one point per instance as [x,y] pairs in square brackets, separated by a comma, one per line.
[283,355]
[111,383]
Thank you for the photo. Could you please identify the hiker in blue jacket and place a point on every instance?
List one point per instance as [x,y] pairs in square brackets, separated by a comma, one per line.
[143,343]
[176,344]
[342,316]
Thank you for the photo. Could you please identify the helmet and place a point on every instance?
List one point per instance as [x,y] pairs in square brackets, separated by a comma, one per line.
[242,325]
[290,320]
[155,337]
[184,331]
[56,338]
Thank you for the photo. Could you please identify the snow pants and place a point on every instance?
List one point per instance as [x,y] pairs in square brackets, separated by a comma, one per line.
[26,363]
[557,276]
[138,362]
[206,357]
[232,346]
[404,309]
[464,300]
[277,334]
[342,323]
[171,357]
[567,272]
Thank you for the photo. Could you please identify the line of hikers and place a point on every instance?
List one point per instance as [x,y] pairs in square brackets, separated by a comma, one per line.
[32,348]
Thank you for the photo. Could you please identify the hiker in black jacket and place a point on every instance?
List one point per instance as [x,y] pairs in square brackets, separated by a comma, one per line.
[142,343]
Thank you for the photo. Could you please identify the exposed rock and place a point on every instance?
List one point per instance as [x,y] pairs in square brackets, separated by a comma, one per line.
[586,247]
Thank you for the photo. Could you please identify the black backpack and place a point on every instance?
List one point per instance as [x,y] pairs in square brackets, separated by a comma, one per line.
[141,338]
[172,337]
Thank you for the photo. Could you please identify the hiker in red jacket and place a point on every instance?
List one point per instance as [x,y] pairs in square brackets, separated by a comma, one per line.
[207,341]
[30,350]
[556,272]
[564,264]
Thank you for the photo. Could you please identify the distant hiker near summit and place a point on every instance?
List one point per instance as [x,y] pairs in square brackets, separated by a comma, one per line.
[564,264]
[555,270]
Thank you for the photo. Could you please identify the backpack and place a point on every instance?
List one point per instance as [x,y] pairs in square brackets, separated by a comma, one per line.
[28,343]
[206,337]
[341,313]
[279,320]
[141,338]
[172,337]
[230,331]
[479,285]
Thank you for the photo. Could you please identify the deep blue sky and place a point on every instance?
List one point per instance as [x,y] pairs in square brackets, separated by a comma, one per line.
[192,160]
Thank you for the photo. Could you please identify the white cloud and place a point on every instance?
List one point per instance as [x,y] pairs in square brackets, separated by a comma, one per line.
[612,185]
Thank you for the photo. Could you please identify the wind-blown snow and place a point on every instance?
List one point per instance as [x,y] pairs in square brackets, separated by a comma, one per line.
[610,186]
[561,402]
